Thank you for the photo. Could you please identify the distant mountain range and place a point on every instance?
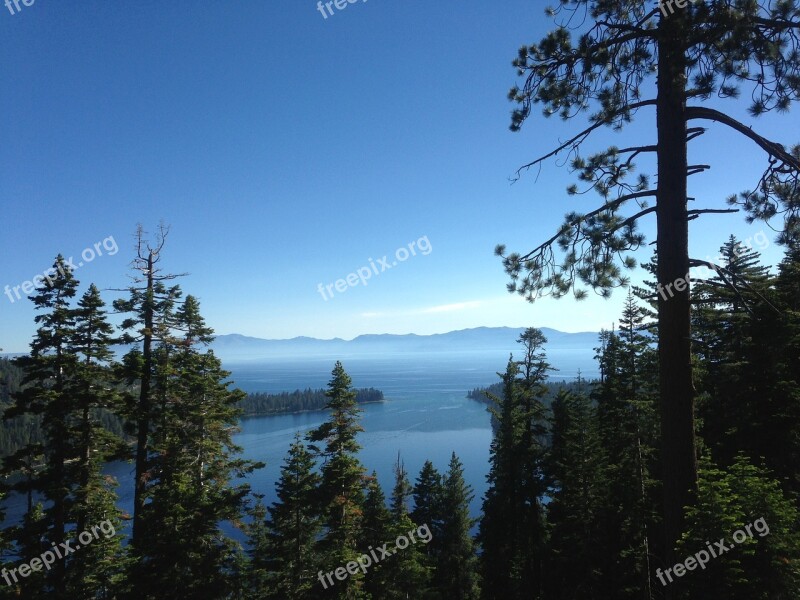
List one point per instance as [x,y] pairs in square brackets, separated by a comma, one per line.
[481,339]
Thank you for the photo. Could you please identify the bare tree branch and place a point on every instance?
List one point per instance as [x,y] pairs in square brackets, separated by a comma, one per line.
[772,148]
[578,139]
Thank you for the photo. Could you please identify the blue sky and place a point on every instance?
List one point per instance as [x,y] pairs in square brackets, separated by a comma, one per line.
[285,150]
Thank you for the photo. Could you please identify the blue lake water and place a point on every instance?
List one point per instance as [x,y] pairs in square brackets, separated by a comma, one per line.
[425,415]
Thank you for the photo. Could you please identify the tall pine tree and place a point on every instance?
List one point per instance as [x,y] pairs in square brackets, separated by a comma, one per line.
[497,535]
[616,61]
[283,551]
[576,467]
[406,573]
[193,466]
[49,369]
[341,493]
[457,572]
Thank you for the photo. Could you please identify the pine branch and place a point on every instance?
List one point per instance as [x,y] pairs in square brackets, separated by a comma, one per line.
[693,214]
[772,148]
[578,139]
[610,206]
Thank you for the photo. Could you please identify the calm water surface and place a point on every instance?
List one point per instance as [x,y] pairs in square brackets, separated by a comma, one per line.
[426,415]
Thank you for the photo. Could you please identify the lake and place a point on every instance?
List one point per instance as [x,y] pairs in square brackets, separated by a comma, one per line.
[425,415]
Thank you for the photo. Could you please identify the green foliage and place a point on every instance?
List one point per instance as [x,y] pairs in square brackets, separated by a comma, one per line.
[457,572]
[498,526]
[262,403]
[750,374]
[191,488]
[627,428]
[600,67]
[577,467]
[574,481]
[341,493]
[283,557]
[406,573]
[67,383]
[98,570]
[428,494]
[611,62]
[376,529]
[513,531]
[765,564]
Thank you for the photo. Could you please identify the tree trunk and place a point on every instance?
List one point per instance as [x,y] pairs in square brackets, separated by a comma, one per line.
[143,422]
[674,327]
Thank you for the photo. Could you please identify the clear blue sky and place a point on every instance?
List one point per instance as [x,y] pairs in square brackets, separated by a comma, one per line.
[286,150]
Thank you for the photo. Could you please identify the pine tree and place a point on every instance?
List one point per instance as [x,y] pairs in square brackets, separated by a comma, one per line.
[283,556]
[627,430]
[531,452]
[193,467]
[96,571]
[724,345]
[428,511]
[405,574]
[375,531]
[781,435]
[402,490]
[577,468]
[513,532]
[499,522]
[341,494]
[769,385]
[457,569]
[49,370]
[427,493]
[149,298]
[376,515]
[602,60]
[747,344]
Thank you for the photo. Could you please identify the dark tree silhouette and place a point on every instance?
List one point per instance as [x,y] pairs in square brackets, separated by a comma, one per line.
[601,58]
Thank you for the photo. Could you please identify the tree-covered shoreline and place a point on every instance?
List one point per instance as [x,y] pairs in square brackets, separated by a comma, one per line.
[298,401]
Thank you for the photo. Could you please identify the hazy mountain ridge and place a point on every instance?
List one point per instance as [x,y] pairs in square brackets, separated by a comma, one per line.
[238,346]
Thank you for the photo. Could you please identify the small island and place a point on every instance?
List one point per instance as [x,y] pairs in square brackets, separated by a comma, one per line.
[262,403]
